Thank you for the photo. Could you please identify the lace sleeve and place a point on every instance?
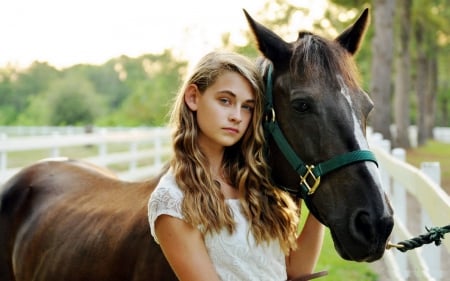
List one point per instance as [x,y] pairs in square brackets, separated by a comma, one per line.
[165,200]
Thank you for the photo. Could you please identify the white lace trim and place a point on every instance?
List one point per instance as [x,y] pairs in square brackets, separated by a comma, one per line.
[235,256]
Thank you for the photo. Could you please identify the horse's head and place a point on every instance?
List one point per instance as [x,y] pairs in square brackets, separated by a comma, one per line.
[322,111]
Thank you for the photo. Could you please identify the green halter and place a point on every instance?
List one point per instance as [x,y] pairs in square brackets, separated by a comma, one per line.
[310,175]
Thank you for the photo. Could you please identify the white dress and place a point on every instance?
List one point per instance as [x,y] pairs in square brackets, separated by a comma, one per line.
[236,257]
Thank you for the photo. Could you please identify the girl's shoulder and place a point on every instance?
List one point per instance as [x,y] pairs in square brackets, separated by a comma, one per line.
[167,189]
[165,200]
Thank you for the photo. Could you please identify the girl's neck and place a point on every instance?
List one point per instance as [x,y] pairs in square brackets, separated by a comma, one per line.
[215,158]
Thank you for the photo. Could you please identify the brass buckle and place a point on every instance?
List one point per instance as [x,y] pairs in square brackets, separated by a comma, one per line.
[312,178]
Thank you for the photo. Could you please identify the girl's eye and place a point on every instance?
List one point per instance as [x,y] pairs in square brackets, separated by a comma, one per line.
[225,100]
[248,107]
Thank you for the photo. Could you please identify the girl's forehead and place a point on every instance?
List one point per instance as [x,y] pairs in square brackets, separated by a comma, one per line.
[234,84]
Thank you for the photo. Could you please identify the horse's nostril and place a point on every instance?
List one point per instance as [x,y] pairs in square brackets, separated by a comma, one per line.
[362,227]
[367,228]
[363,224]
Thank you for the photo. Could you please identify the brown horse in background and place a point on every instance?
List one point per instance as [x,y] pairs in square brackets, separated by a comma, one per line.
[65,220]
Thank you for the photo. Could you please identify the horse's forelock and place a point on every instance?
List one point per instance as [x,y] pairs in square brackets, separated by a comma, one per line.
[262,65]
[315,57]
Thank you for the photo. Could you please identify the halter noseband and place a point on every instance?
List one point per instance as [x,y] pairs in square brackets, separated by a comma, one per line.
[310,175]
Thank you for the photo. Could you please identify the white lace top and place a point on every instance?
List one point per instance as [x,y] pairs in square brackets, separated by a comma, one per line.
[236,256]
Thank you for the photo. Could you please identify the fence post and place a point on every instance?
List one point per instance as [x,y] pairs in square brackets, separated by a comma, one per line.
[431,253]
[399,203]
[103,147]
[3,155]
[158,147]
[133,151]
[55,148]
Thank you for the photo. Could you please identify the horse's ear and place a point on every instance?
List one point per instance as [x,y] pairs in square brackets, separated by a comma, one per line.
[270,44]
[351,38]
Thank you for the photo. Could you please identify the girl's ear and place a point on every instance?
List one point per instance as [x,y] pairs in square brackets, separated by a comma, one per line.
[191,96]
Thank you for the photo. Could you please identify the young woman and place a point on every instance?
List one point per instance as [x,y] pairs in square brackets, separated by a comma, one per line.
[215,213]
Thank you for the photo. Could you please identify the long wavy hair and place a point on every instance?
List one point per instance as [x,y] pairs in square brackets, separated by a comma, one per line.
[271,212]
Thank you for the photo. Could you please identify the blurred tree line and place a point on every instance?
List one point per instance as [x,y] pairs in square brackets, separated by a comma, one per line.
[409,66]
[404,64]
[124,91]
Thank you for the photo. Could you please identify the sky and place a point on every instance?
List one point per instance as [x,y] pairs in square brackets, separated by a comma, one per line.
[68,32]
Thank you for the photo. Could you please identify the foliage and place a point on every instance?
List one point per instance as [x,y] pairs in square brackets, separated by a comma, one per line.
[433,16]
[70,100]
[17,88]
[123,91]
[433,151]
[138,91]
[154,80]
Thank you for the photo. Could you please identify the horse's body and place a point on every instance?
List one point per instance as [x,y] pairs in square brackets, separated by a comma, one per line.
[62,220]
[71,222]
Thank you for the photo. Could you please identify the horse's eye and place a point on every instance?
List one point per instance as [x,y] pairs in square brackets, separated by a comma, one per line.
[301,106]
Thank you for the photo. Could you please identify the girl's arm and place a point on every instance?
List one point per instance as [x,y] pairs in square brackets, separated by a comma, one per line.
[185,250]
[303,260]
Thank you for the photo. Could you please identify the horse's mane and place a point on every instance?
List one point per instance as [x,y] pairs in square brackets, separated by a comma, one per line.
[314,57]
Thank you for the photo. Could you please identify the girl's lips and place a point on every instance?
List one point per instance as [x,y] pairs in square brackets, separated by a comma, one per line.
[231,130]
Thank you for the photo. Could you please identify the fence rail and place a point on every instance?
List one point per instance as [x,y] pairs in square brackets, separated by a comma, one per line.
[140,144]
[32,131]
[416,195]
[418,202]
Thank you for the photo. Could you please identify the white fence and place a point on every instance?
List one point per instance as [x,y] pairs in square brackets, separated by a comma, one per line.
[32,131]
[442,134]
[416,196]
[148,146]
[418,202]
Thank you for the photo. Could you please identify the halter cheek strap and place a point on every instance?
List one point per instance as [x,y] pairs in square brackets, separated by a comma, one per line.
[310,175]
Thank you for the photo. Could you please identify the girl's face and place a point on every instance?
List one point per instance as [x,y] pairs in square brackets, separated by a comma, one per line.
[224,110]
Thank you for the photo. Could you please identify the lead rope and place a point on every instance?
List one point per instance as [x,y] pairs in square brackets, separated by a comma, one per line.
[310,276]
[434,234]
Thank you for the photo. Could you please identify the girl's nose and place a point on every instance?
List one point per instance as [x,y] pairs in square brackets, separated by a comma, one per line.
[235,116]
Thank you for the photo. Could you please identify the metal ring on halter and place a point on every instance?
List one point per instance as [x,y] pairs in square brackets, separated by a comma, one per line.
[270,116]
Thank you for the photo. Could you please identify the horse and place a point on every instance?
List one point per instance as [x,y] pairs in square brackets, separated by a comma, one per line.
[65,220]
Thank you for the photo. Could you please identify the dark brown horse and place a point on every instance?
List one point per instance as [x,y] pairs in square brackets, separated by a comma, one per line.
[65,220]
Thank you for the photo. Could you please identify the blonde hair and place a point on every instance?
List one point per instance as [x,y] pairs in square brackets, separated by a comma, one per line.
[271,212]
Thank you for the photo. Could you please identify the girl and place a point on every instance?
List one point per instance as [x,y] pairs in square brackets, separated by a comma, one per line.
[215,213]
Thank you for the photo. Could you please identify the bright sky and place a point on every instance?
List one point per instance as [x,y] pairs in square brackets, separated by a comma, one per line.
[66,32]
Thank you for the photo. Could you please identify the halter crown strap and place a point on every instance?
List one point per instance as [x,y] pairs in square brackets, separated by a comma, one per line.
[310,175]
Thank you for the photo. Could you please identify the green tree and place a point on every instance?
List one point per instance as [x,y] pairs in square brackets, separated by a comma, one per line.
[403,75]
[382,66]
[74,101]
[7,109]
[428,68]
[106,81]
[431,30]
[153,81]
[71,100]
[18,87]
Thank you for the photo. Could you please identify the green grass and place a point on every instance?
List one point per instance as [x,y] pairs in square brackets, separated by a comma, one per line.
[338,268]
[433,151]
[27,157]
